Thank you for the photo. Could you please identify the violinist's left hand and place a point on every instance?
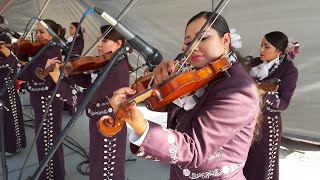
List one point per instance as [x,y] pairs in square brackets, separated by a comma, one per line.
[56,72]
[5,51]
[136,120]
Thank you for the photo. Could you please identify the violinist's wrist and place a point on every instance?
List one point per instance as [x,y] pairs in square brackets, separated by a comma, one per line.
[55,76]
[5,51]
[140,128]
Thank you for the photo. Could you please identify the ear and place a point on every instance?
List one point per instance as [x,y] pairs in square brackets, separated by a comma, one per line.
[278,52]
[226,40]
[119,43]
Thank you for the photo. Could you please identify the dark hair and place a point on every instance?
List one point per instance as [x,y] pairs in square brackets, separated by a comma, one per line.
[220,25]
[75,24]
[115,36]
[61,32]
[112,35]
[54,26]
[1,19]
[278,39]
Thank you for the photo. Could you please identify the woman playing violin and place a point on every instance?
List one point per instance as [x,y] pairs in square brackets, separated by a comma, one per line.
[82,80]
[40,93]
[275,62]
[107,155]
[15,137]
[209,132]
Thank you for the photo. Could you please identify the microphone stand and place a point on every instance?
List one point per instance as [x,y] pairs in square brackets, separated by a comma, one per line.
[23,69]
[3,149]
[120,52]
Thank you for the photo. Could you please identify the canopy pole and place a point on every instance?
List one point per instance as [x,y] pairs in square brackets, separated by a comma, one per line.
[42,10]
[7,3]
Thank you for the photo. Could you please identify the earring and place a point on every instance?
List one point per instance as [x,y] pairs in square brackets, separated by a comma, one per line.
[225,52]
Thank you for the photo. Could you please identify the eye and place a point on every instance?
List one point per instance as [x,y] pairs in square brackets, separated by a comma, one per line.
[204,38]
[187,43]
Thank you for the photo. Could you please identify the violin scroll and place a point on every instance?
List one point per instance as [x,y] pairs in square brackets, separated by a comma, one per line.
[108,127]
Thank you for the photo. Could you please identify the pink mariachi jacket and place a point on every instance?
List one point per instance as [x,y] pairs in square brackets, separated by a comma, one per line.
[212,140]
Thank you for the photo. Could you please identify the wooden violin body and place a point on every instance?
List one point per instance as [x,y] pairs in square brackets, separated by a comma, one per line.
[164,93]
[27,48]
[80,65]
[270,85]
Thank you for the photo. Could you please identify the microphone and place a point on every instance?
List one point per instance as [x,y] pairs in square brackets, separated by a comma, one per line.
[152,56]
[13,34]
[56,38]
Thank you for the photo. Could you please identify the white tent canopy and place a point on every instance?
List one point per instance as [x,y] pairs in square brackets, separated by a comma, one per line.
[162,24]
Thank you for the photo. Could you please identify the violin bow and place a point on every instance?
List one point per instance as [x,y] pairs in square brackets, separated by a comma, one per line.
[198,34]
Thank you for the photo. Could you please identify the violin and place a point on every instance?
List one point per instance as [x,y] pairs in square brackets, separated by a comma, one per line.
[27,48]
[162,94]
[143,82]
[80,65]
[270,85]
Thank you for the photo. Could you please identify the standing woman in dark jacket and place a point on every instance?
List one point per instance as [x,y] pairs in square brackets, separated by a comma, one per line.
[15,137]
[275,62]
[107,154]
[81,79]
[79,44]
[40,94]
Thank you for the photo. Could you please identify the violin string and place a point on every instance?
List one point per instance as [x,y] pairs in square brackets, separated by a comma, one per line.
[180,69]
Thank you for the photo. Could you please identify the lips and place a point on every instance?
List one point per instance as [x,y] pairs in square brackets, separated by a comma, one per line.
[196,57]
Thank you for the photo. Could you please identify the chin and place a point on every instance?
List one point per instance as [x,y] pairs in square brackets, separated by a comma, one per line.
[262,58]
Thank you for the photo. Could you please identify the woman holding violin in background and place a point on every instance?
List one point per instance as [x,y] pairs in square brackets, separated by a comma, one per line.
[40,93]
[107,155]
[209,131]
[275,62]
[14,132]
[80,79]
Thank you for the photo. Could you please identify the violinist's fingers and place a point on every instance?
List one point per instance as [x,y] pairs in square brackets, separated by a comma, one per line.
[116,100]
[161,72]
[52,61]
[146,71]
[137,121]
[125,91]
[171,66]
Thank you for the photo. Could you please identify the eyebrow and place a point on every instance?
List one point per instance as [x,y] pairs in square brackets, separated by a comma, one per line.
[203,31]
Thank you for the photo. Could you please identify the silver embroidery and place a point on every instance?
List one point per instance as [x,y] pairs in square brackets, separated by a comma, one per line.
[273,143]
[215,172]
[13,106]
[109,156]
[173,150]
[216,155]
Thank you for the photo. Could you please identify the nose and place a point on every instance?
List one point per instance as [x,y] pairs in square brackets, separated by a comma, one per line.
[37,35]
[261,49]
[99,44]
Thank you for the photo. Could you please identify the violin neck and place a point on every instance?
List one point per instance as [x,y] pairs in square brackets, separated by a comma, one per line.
[8,45]
[61,65]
